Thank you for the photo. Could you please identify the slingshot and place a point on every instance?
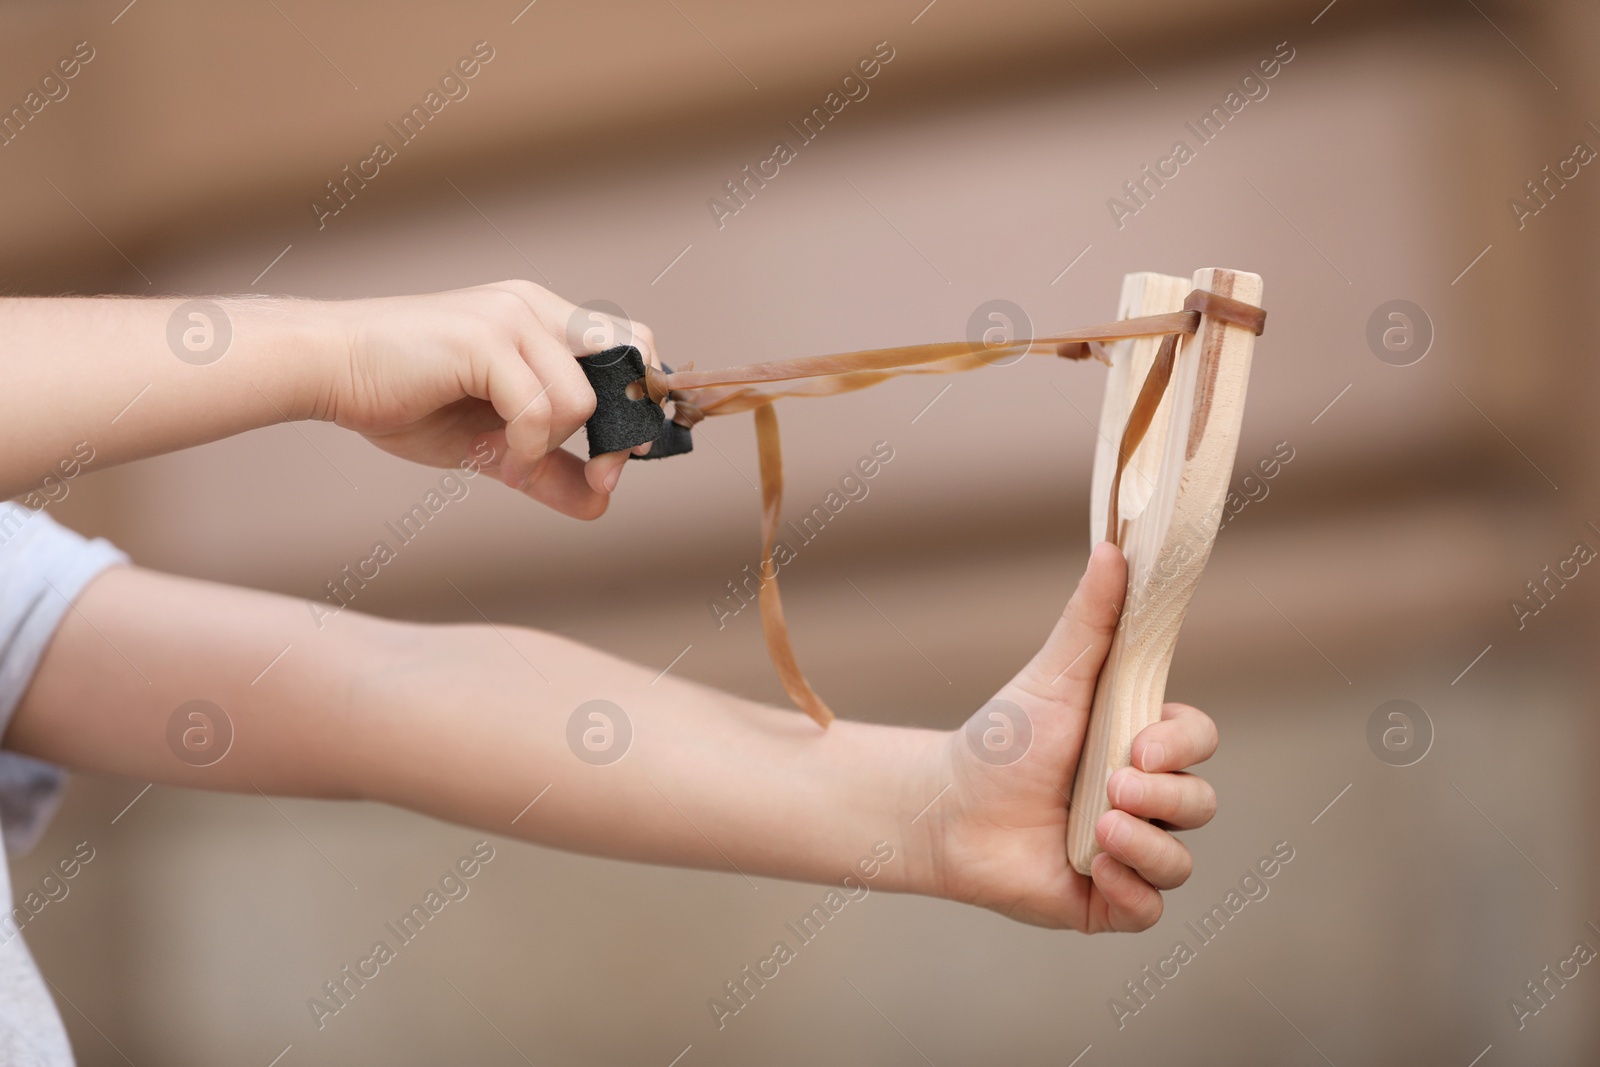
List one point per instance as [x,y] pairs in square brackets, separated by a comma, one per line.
[1161,471]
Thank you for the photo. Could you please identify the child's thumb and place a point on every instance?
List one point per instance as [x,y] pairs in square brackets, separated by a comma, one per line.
[1066,667]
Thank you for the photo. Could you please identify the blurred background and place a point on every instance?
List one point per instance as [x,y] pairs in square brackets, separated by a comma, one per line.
[1431,480]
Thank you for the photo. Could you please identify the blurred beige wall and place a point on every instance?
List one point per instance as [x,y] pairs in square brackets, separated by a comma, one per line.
[1379,564]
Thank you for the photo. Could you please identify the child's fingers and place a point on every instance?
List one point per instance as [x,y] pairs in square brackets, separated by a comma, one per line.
[1132,904]
[561,481]
[523,401]
[491,443]
[1066,667]
[572,399]
[1157,856]
[603,470]
[644,339]
[1183,801]
[558,482]
[1184,736]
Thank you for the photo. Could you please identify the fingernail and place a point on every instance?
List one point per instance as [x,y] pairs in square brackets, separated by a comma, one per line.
[1118,833]
[1129,790]
[610,480]
[1155,754]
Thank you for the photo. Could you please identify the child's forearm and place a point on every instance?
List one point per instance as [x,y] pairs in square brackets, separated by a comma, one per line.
[708,780]
[471,724]
[132,378]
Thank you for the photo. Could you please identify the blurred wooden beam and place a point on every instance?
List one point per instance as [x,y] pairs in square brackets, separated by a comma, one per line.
[196,118]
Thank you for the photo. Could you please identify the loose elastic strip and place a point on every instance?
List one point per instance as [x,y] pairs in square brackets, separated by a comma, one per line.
[1140,416]
[773,625]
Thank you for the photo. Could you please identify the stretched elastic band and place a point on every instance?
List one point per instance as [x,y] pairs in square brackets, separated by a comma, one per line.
[698,394]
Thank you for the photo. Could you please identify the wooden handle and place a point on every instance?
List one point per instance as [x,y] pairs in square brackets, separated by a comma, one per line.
[1170,503]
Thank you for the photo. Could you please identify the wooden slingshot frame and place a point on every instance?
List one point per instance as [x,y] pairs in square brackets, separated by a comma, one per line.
[1167,509]
[1169,427]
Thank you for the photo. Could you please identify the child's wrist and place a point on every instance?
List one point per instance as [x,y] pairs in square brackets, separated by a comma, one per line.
[914,767]
[926,835]
[302,357]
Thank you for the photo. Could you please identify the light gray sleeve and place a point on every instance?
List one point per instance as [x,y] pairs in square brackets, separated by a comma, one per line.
[43,568]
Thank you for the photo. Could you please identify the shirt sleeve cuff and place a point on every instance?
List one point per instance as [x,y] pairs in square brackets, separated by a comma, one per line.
[52,567]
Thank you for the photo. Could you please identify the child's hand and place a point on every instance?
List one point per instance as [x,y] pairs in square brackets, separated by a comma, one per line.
[1000,833]
[436,378]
